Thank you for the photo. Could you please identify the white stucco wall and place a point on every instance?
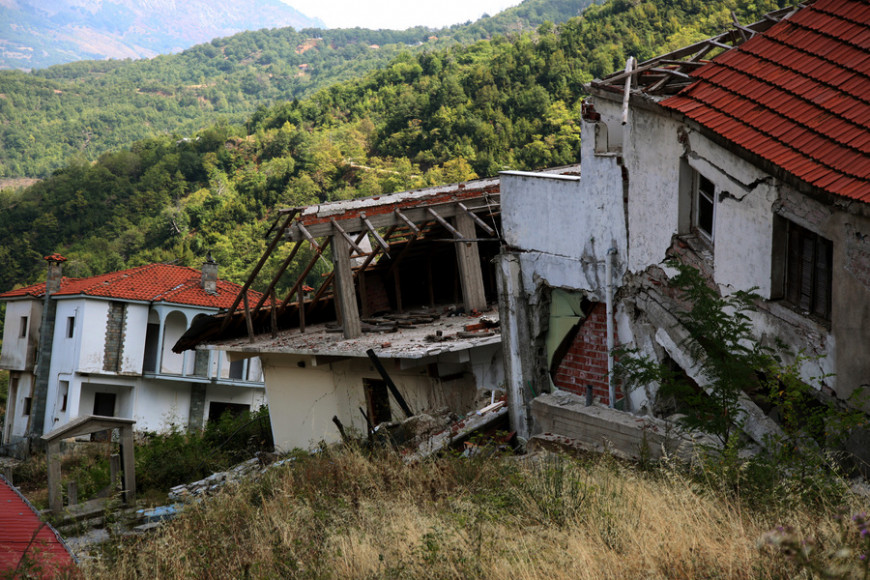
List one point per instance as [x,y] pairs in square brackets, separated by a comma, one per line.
[92,343]
[19,352]
[161,404]
[174,325]
[652,157]
[302,401]
[136,323]
[16,420]
[252,396]
[564,226]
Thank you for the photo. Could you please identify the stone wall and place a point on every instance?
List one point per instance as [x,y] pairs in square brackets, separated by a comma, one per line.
[116,325]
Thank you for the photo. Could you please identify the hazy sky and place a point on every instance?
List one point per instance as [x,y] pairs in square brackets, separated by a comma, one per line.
[398,14]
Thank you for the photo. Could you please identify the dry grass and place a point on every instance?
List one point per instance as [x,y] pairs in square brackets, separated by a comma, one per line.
[346,515]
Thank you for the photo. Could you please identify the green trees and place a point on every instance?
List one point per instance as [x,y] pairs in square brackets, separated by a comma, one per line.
[439,113]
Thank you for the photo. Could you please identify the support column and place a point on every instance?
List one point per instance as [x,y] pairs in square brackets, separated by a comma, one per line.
[469,265]
[196,413]
[516,342]
[345,295]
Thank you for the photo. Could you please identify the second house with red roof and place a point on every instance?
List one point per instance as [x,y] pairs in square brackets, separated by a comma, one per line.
[103,346]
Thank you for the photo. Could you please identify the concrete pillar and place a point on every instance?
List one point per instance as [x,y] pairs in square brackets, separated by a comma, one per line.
[516,342]
[470,275]
[345,294]
[196,413]
[36,425]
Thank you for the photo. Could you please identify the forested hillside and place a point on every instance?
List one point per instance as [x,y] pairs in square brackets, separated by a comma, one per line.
[436,117]
[91,107]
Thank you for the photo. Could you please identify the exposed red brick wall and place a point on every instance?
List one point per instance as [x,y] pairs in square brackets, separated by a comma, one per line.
[376,294]
[586,361]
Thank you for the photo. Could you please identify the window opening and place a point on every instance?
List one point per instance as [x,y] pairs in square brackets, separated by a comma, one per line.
[705,206]
[378,401]
[808,271]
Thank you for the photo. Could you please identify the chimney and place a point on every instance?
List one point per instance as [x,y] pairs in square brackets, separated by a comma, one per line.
[55,273]
[209,275]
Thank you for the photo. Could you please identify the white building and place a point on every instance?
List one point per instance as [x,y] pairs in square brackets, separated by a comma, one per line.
[102,346]
[752,165]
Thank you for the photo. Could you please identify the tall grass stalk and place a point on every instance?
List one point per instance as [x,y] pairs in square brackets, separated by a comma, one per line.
[349,515]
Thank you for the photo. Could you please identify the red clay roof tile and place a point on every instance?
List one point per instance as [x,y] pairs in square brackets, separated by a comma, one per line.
[149,283]
[797,95]
[23,533]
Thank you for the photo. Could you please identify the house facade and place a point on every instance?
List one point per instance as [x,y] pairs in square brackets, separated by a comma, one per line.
[102,346]
[746,156]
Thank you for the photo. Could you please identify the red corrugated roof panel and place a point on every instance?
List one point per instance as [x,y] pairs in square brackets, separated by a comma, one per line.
[24,536]
[797,95]
[149,283]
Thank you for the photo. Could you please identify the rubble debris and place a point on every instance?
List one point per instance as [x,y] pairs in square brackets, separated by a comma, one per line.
[456,432]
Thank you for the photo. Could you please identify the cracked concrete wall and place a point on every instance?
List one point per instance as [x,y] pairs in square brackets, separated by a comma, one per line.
[302,401]
[304,395]
[749,202]
[636,197]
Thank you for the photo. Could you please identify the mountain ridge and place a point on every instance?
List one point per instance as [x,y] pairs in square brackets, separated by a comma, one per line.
[34,34]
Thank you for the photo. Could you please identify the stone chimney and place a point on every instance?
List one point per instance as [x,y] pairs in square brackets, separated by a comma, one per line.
[209,275]
[55,273]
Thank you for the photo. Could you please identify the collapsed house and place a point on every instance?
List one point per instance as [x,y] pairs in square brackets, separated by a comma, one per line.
[101,345]
[403,321]
[746,156]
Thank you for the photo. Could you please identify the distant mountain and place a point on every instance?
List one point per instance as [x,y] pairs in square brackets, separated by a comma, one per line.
[41,33]
[89,107]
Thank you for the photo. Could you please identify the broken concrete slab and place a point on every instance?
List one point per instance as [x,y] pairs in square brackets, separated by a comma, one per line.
[605,430]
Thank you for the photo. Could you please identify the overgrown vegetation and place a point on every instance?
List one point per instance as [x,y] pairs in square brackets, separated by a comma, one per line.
[176,456]
[163,459]
[426,118]
[729,365]
[347,514]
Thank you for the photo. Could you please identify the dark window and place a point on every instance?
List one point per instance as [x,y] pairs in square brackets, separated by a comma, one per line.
[70,326]
[237,369]
[23,331]
[63,403]
[808,271]
[378,399]
[152,339]
[104,404]
[216,410]
[705,206]
[28,401]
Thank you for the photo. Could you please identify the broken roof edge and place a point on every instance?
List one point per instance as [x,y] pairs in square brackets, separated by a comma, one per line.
[647,102]
[541,174]
[443,335]
[334,208]
[736,35]
[357,348]
[422,352]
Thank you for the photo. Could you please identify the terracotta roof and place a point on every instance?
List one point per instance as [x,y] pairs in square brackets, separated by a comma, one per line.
[150,283]
[23,533]
[796,95]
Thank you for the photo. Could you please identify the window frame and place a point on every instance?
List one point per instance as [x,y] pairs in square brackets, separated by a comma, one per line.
[699,180]
[803,262]
[802,289]
[70,326]
[23,330]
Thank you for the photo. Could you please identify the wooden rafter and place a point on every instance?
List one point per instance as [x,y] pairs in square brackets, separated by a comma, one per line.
[244,291]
